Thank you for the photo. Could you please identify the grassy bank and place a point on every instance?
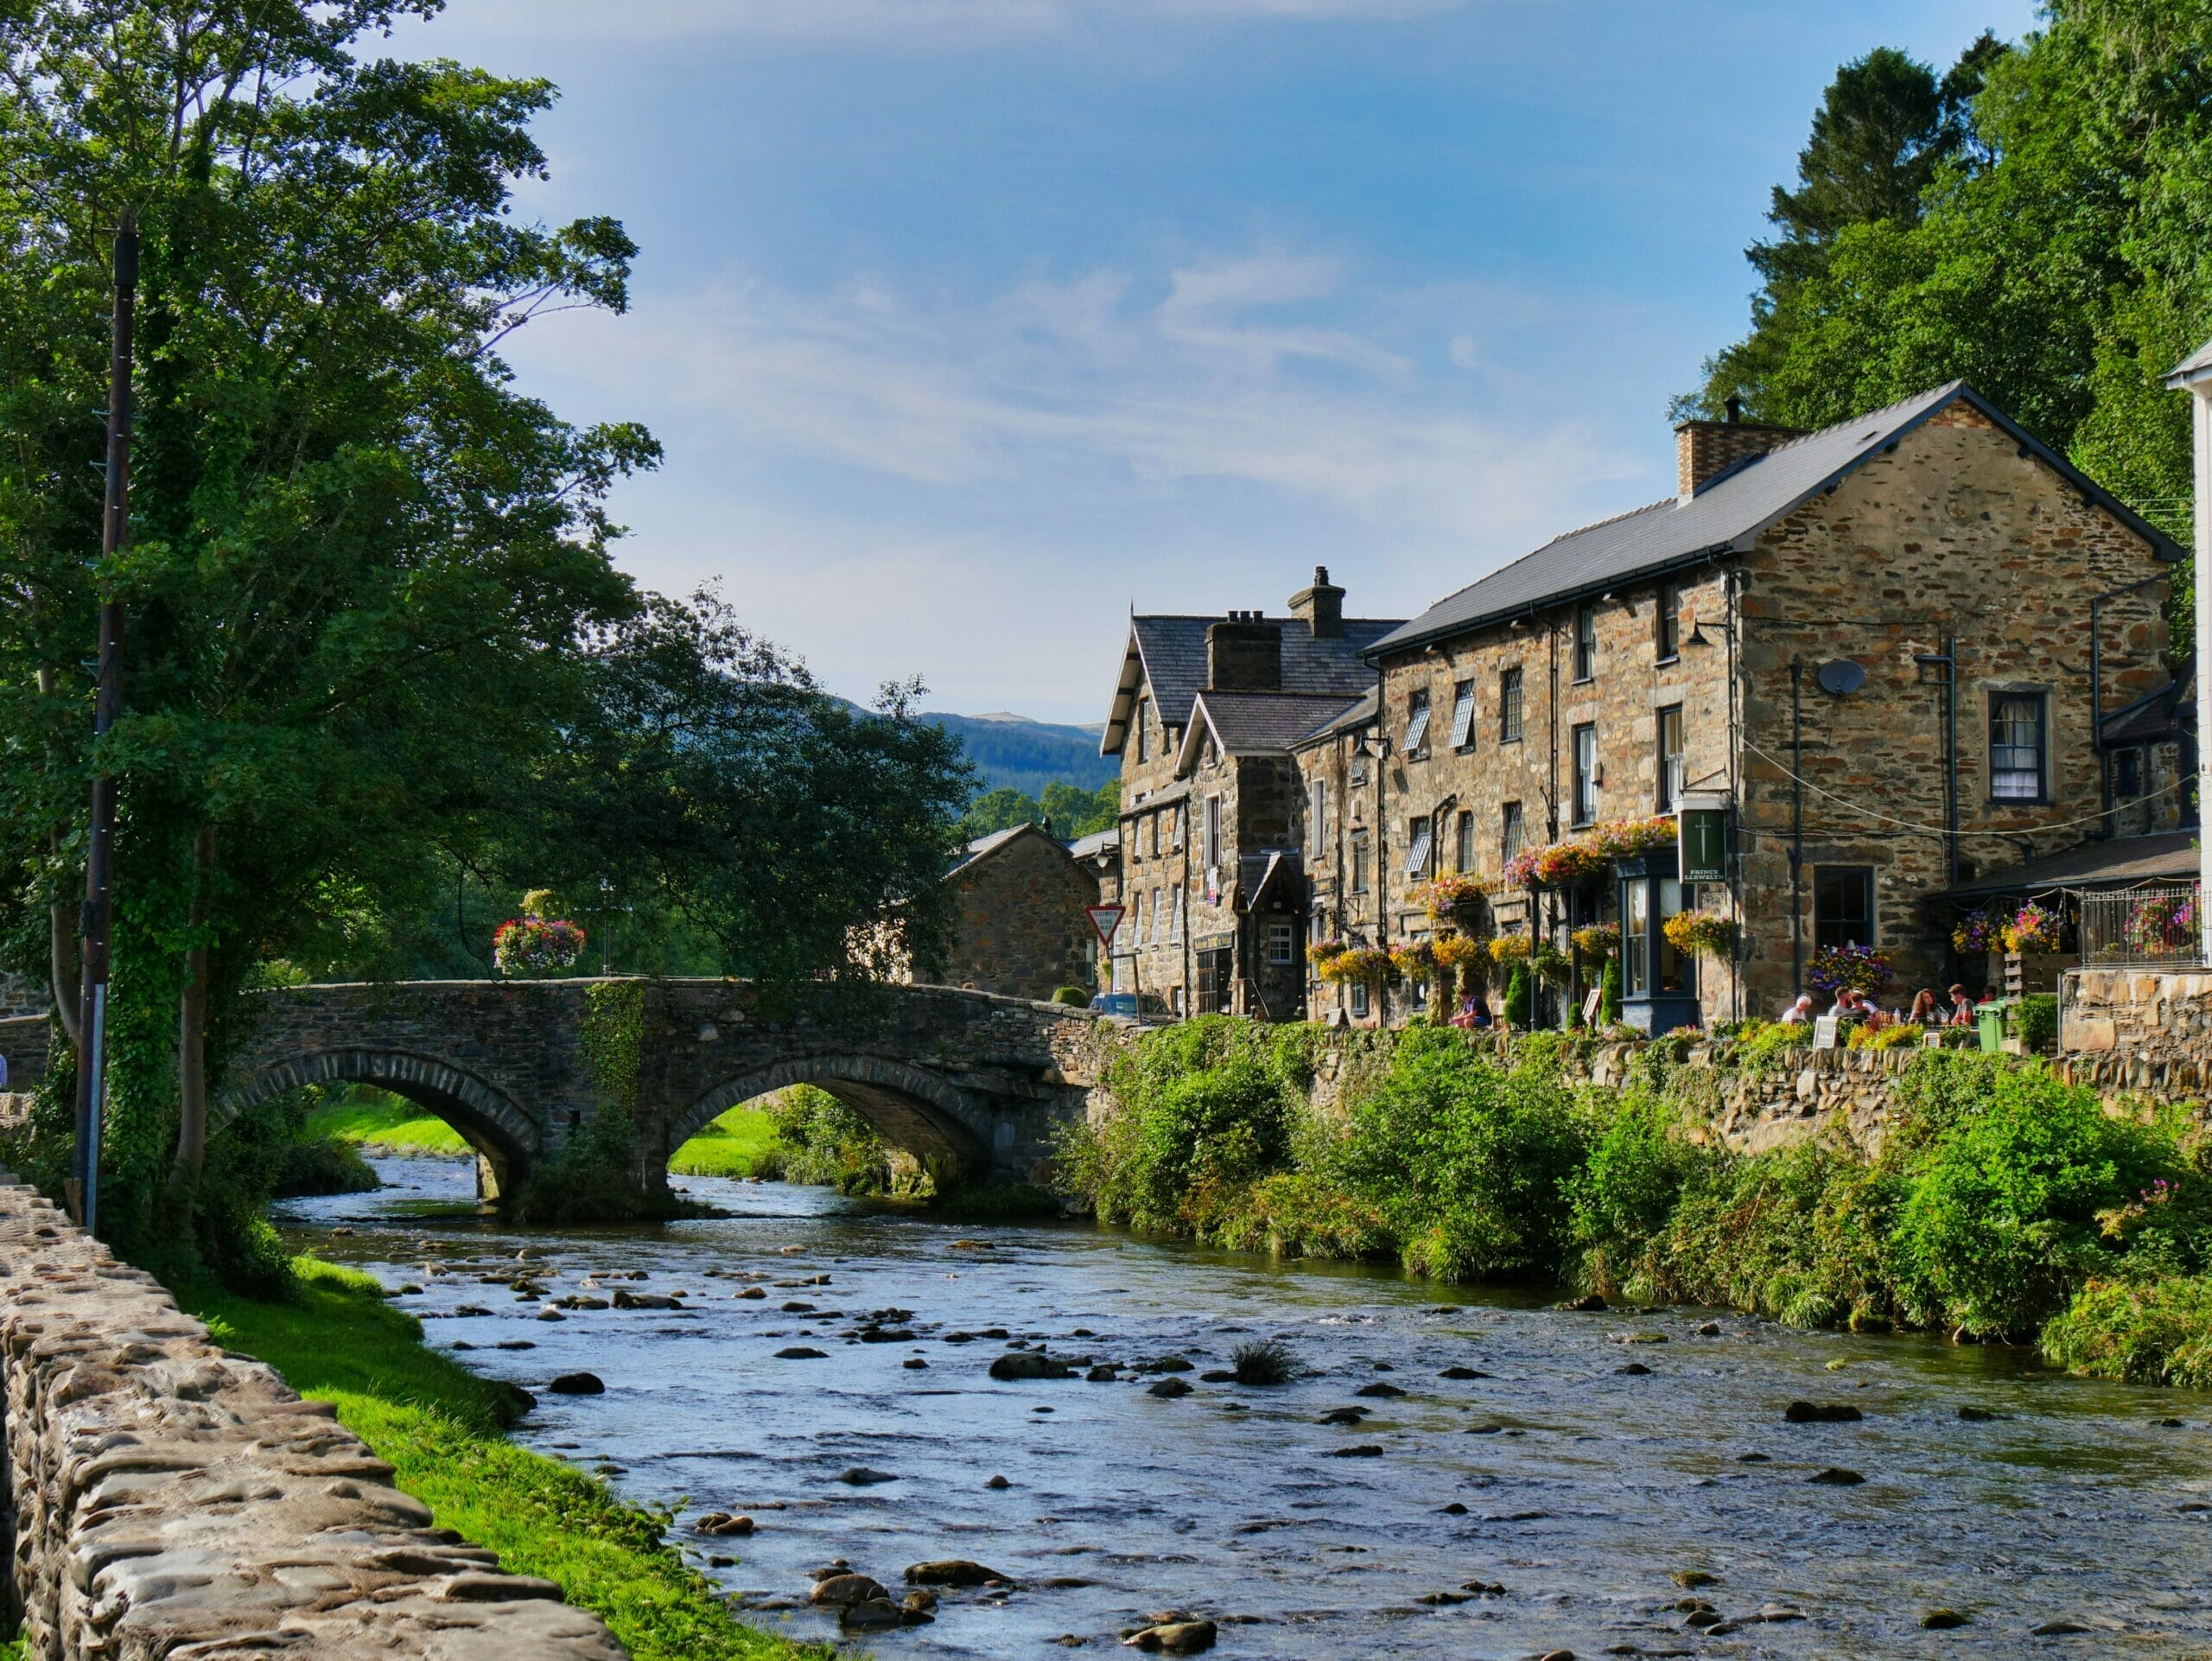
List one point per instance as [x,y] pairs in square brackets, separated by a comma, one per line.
[742,1143]
[442,1427]
[2003,1204]
[370,1119]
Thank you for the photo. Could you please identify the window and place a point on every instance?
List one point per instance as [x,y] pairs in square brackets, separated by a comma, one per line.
[1585,774]
[1418,842]
[1159,916]
[2127,774]
[1666,630]
[1359,866]
[1463,854]
[1416,723]
[1155,835]
[1282,942]
[1585,641]
[1635,937]
[1359,1000]
[1137,936]
[1462,715]
[1175,826]
[1670,758]
[1512,829]
[1509,707]
[1677,969]
[1175,921]
[1144,736]
[1213,832]
[1317,816]
[2016,747]
[1843,905]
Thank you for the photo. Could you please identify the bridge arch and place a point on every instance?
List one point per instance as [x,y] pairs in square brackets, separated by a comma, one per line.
[912,1109]
[486,1116]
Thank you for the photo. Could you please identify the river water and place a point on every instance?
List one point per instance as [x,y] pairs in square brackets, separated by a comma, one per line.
[1579,1489]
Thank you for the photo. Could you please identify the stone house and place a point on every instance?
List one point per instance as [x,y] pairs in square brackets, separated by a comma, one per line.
[1021,926]
[1869,649]
[1205,716]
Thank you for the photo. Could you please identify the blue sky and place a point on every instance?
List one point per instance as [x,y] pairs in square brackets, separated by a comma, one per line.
[967,323]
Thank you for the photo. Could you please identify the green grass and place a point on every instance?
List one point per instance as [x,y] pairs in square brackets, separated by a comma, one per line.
[441,1429]
[742,1143]
[373,1118]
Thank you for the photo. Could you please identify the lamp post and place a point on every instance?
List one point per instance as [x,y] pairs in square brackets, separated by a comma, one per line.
[2194,376]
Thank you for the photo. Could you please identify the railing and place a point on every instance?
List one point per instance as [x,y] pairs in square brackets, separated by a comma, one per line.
[2148,927]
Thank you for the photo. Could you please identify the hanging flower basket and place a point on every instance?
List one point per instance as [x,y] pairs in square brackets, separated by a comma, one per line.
[1862,968]
[1548,961]
[536,945]
[1705,931]
[1353,965]
[1599,941]
[1458,950]
[1977,932]
[2032,928]
[1509,951]
[1626,838]
[1452,896]
[1414,960]
[1321,951]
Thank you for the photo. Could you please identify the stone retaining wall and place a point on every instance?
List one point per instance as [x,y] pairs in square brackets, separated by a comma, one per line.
[25,1041]
[2146,1030]
[164,1497]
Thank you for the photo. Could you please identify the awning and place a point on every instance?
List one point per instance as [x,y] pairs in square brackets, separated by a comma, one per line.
[2123,862]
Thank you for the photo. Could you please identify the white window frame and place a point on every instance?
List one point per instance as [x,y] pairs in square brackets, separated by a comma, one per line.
[1416,722]
[1159,905]
[1462,715]
[1213,833]
[1282,942]
[1422,839]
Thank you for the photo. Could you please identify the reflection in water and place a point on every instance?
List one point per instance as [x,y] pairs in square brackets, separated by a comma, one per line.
[1576,1485]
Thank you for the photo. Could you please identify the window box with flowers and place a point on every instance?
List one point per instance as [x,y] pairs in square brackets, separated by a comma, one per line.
[2033,937]
[1705,931]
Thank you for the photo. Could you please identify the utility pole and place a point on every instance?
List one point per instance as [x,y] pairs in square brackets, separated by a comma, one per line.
[99,917]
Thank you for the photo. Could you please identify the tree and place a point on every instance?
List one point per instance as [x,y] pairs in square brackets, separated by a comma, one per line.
[363,564]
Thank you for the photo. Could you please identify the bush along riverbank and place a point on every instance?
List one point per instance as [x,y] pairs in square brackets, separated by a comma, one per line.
[2003,1206]
[442,1429]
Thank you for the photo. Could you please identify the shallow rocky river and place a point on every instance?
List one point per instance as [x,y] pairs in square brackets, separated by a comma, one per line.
[1547,1492]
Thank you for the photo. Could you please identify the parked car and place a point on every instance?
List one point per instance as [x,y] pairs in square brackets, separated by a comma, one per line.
[1132,1006]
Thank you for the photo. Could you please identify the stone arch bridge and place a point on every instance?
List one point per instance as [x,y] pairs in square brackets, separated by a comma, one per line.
[967,1082]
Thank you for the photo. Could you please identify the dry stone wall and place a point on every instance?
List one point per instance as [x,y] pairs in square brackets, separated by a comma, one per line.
[167,1498]
[2142,1030]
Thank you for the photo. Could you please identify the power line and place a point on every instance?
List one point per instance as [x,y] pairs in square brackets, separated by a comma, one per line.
[1937,831]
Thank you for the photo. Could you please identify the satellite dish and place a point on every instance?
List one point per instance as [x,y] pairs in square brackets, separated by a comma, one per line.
[1841,676]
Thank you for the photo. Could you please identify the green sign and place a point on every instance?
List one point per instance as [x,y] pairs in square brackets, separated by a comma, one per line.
[1704,844]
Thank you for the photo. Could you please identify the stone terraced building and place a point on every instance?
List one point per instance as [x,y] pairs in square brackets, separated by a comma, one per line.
[1873,648]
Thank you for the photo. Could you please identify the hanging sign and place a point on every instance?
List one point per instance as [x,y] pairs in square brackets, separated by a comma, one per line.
[1701,824]
[1106,920]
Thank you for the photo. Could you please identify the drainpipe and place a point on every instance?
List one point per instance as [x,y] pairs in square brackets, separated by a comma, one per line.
[1797,825]
[2195,375]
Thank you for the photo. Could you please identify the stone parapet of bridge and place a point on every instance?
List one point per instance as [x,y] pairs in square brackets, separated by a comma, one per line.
[165,1498]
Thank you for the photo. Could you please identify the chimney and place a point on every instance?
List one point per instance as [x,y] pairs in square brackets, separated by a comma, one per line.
[1320,607]
[1244,654]
[1703,449]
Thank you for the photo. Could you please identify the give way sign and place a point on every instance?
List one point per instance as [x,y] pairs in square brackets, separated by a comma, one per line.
[1106,919]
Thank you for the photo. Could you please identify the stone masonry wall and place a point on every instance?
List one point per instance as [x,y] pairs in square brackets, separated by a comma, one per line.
[2138,1029]
[1956,533]
[1021,929]
[167,1498]
[19,996]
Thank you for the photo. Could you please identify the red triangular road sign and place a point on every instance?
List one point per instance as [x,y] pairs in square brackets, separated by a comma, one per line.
[1106,919]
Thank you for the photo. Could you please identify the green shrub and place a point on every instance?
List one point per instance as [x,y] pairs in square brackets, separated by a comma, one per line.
[1521,999]
[1074,996]
[1466,1159]
[2158,1333]
[823,1143]
[1609,994]
[2035,1023]
[1629,1186]
[2006,1170]
[326,1165]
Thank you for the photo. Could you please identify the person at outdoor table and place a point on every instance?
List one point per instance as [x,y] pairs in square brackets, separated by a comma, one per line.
[1847,1003]
[1926,1011]
[1961,1008]
[1800,1012]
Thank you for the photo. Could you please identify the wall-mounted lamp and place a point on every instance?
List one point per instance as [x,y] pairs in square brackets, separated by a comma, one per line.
[1697,632]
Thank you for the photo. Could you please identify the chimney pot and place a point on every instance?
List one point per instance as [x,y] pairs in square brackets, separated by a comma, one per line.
[1321,607]
[1703,449]
[1244,654]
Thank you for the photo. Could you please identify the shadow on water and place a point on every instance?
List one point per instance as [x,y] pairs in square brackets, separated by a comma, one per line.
[1557,1471]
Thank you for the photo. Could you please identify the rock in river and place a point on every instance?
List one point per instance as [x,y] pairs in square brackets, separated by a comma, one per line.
[628,1300]
[722,1525]
[1821,1413]
[1176,1638]
[801,1353]
[952,1571]
[1943,1620]
[860,1476]
[578,1383]
[1169,1387]
[840,1589]
[873,1615]
[1028,1364]
[1836,1477]
[1378,1389]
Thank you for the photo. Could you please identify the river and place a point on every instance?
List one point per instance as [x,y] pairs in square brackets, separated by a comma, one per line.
[1579,1489]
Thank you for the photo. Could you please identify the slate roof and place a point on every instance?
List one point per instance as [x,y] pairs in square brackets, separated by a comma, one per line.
[1099,842]
[2122,863]
[1353,716]
[1257,723]
[1726,515]
[1168,653]
[983,847]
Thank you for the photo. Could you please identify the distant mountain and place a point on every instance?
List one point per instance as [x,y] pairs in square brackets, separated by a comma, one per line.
[1026,755]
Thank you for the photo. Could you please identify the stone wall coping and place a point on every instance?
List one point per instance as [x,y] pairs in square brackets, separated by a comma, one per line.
[170,1497]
